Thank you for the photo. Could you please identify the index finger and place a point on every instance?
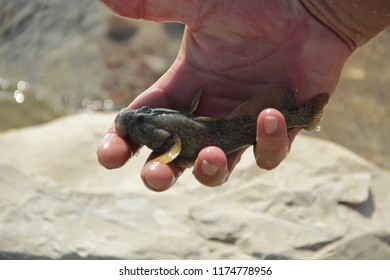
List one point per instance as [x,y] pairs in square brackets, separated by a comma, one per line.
[114,151]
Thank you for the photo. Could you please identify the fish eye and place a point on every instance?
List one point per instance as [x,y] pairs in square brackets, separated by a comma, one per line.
[145,110]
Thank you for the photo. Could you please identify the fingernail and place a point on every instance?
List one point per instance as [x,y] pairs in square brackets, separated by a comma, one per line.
[270,124]
[208,168]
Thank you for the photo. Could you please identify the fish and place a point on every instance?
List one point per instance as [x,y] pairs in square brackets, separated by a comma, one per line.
[178,137]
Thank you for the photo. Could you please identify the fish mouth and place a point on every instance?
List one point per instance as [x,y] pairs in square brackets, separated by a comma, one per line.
[120,127]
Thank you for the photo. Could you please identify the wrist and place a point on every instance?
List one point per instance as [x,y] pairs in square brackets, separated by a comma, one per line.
[321,54]
[355,21]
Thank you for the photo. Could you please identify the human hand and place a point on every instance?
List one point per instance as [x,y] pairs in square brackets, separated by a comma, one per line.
[232,49]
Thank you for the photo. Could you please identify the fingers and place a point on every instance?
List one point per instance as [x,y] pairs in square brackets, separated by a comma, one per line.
[211,167]
[158,176]
[156,10]
[113,151]
[273,142]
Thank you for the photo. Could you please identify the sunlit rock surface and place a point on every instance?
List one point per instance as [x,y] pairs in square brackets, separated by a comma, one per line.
[323,202]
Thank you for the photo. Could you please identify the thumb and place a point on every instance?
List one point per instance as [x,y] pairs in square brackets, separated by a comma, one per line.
[183,11]
[272,142]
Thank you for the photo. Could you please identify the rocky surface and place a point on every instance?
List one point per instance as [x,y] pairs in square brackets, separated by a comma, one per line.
[323,202]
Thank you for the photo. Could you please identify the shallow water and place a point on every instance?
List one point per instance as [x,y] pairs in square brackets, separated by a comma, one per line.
[74,56]
[42,45]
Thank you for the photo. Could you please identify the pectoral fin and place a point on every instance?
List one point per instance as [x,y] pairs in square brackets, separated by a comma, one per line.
[172,153]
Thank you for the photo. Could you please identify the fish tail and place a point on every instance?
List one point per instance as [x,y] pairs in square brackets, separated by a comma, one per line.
[315,108]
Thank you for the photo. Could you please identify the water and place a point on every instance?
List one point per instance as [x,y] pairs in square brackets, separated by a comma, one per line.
[43,58]
[22,105]
[62,57]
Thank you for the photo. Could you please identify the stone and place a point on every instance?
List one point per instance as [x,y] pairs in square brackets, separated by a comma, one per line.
[369,246]
[322,202]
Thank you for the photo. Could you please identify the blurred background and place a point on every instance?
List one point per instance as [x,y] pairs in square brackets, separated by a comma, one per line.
[63,57]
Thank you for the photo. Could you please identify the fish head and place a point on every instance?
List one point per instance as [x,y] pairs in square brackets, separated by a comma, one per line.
[141,127]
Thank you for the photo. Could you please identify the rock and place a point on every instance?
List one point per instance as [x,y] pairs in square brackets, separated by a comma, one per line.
[322,202]
[369,246]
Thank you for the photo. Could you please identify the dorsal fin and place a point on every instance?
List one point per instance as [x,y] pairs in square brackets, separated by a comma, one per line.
[273,97]
[195,101]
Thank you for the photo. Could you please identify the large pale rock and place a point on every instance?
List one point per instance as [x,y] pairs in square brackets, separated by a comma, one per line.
[323,202]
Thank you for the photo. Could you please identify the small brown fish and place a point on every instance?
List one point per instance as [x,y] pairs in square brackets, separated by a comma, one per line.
[179,136]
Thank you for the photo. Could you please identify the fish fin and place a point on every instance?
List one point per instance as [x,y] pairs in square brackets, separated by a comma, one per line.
[203,119]
[280,98]
[315,106]
[172,153]
[195,101]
